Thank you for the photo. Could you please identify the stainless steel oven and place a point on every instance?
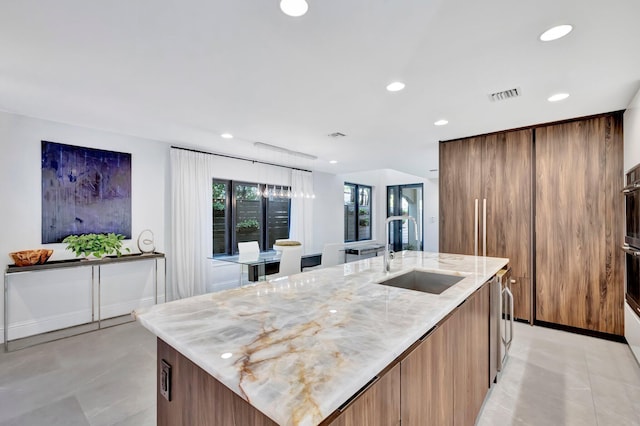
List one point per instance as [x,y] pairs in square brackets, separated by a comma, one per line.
[632,238]
[632,207]
[633,278]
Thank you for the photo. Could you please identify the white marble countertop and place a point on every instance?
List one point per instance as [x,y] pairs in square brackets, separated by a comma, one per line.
[298,347]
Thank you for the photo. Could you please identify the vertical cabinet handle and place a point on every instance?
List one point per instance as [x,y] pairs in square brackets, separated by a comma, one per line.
[484,227]
[508,342]
[475,230]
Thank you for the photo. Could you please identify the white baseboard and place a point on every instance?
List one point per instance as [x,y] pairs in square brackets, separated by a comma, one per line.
[222,285]
[125,307]
[34,326]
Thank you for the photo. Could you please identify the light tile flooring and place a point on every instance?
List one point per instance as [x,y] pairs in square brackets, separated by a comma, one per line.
[558,378]
[108,378]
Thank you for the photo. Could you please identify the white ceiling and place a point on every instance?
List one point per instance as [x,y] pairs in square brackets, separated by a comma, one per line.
[185,71]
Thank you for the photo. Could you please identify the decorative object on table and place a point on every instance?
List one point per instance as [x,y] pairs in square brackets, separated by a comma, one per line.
[31,257]
[247,225]
[84,191]
[146,243]
[95,245]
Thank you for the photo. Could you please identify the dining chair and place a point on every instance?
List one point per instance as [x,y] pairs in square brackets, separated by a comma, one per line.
[247,251]
[290,262]
[248,247]
[332,254]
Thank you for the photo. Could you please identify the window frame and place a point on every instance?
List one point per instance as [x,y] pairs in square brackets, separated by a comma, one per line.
[231,208]
[357,187]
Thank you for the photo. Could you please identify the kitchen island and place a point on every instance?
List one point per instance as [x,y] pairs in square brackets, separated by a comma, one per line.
[297,349]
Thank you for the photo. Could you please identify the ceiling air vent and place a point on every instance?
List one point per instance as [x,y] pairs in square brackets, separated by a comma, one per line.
[336,135]
[505,94]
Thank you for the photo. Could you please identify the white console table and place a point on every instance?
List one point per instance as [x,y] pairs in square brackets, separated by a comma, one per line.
[95,265]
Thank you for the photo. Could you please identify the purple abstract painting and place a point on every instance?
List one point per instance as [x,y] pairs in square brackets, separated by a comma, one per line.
[84,191]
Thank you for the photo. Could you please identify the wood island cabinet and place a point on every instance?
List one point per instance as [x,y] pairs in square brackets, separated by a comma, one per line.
[470,357]
[440,380]
[377,406]
[445,380]
[198,399]
[427,381]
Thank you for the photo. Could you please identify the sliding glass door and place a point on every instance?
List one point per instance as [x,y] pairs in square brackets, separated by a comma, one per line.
[405,200]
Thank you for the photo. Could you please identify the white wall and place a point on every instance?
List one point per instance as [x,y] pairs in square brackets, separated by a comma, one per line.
[31,295]
[379,180]
[20,216]
[632,133]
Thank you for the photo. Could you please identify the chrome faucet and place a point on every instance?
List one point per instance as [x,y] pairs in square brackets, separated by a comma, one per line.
[387,252]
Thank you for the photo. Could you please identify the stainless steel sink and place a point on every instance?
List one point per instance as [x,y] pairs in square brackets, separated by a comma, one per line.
[427,282]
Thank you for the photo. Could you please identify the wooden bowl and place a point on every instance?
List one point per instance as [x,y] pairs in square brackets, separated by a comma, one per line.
[31,257]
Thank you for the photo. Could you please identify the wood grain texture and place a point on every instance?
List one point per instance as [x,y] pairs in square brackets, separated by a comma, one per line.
[470,357]
[497,167]
[198,399]
[460,179]
[578,270]
[378,406]
[427,381]
[507,180]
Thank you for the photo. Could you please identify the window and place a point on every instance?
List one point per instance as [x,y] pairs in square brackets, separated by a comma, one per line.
[357,212]
[240,212]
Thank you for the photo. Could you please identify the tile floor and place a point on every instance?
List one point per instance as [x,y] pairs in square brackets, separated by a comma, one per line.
[558,378]
[107,377]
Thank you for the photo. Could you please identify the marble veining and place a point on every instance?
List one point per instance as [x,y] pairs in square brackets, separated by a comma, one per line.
[298,347]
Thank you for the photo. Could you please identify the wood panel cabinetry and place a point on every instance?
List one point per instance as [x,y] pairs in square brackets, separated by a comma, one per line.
[470,360]
[494,173]
[199,399]
[579,172]
[445,379]
[460,179]
[573,202]
[427,381]
[377,406]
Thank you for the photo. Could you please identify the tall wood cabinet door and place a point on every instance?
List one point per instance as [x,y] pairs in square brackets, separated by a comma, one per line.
[470,357]
[427,381]
[460,173]
[506,180]
[377,406]
[578,204]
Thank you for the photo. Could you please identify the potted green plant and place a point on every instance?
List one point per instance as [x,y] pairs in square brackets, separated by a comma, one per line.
[95,245]
[247,225]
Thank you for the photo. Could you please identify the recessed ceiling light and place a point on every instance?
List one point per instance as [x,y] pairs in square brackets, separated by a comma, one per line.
[333,311]
[558,97]
[333,162]
[441,122]
[556,32]
[294,8]
[396,86]
[226,355]
[227,135]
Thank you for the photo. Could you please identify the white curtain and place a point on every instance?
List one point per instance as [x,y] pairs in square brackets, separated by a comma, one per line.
[191,221]
[302,208]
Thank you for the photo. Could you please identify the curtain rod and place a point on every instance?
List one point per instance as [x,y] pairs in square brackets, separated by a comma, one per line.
[239,158]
